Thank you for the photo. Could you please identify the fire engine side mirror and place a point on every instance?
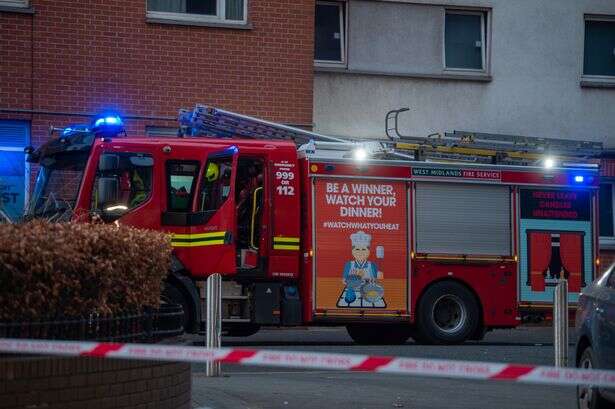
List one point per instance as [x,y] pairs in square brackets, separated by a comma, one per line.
[108,162]
[108,193]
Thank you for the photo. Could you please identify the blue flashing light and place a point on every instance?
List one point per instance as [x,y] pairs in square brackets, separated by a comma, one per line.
[579,179]
[114,120]
[67,131]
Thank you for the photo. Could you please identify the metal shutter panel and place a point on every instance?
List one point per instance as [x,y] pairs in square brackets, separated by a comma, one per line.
[462,219]
[14,134]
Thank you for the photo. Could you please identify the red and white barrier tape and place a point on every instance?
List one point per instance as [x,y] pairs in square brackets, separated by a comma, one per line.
[317,360]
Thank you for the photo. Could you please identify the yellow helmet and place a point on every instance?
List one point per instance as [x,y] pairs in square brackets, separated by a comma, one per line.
[213,172]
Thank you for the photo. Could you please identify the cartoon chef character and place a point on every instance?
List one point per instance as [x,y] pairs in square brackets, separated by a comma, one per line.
[361,266]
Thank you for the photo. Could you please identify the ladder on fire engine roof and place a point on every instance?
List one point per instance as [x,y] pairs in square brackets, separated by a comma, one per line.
[207,121]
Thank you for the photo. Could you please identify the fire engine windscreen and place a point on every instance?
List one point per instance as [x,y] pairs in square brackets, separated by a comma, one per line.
[57,185]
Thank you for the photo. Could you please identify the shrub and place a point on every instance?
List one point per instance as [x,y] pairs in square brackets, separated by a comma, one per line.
[56,270]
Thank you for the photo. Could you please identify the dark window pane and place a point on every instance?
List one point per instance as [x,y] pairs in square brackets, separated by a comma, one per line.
[183,6]
[328,33]
[463,41]
[201,7]
[599,48]
[234,9]
[606,210]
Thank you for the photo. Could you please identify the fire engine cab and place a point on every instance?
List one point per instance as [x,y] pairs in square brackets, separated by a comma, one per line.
[411,237]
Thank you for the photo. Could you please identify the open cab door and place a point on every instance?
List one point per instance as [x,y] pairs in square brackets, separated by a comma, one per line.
[208,245]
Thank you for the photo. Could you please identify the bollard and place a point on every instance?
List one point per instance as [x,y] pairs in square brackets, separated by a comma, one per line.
[560,323]
[213,328]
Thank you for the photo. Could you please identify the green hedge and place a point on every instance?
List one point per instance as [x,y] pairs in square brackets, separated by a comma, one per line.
[55,270]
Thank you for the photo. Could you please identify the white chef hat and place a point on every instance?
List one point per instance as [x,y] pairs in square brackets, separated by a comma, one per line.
[360,239]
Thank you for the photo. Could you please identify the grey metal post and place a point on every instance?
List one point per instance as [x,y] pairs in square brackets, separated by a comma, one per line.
[213,332]
[560,323]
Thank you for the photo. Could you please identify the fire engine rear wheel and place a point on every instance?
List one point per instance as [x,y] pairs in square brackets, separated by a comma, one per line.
[173,295]
[379,334]
[448,313]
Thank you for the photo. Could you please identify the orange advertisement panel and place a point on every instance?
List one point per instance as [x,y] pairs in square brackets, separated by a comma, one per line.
[361,246]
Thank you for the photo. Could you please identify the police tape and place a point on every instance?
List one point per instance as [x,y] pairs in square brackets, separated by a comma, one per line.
[316,360]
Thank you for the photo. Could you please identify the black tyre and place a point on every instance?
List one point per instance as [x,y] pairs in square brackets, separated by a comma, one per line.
[173,295]
[448,313]
[242,330]
[379,334]
[589,397]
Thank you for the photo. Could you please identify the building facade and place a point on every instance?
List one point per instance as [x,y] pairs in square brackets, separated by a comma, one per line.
[63,61]
[532,68]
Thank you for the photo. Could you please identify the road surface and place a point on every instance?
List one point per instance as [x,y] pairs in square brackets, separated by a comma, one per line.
[254,387]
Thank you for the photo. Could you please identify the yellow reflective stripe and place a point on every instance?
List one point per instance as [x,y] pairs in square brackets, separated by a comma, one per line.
[285,247]
[287,239]
[199,235]
[197,243]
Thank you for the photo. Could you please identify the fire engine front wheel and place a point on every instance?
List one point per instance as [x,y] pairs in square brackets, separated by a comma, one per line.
[379,334]
[173,295]
[448,313]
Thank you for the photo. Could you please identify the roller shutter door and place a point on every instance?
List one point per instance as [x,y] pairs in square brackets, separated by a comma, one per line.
[462,219]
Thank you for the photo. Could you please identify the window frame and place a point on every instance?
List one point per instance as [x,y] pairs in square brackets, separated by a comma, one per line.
[608,241]
[343,7]
[610,79]
[220,16]
[485,30]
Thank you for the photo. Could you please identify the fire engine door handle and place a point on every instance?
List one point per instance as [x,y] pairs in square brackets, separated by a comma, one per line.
[255,209]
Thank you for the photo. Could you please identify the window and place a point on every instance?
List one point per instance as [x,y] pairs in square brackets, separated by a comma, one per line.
[606,210]
[14,136]
[181,178]
[229,11]
[464,40]
[599,57]
[216,183]
[329,33]
[14,3]
[133,173]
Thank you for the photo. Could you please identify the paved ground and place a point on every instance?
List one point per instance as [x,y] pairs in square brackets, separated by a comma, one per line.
[253,387]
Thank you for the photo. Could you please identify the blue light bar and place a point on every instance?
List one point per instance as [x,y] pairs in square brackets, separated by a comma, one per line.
[108,121]
[579,179]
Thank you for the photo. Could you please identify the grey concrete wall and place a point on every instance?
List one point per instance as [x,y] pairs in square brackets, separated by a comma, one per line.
[535,66]
[394,38]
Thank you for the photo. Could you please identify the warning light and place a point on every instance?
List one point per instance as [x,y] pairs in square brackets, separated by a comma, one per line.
[549,162]
[109,121]
[579,179]
[108,125]
[359,154]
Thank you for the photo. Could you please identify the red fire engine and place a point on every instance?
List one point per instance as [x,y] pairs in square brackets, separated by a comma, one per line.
[392,239]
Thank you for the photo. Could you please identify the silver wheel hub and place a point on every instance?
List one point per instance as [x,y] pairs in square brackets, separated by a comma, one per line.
[449,313]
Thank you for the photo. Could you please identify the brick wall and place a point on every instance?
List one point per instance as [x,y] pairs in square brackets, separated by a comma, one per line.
[78,57]
[51,382]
